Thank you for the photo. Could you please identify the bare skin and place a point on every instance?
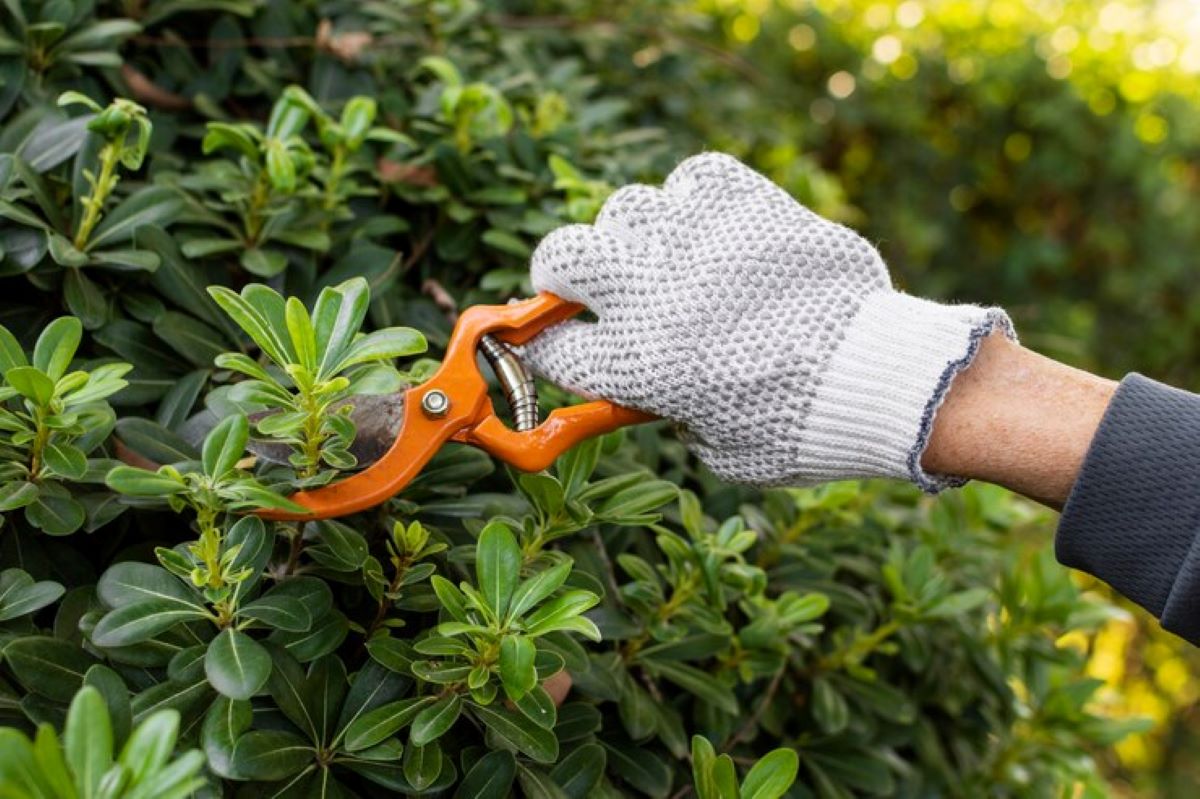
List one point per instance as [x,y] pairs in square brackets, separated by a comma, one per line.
[1019,420]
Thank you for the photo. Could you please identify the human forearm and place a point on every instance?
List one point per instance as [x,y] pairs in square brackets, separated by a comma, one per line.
[1018,419]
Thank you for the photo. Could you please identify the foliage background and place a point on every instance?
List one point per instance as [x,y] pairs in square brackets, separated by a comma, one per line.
[1041,155]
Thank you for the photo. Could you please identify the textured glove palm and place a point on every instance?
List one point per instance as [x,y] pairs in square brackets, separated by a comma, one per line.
[771,336]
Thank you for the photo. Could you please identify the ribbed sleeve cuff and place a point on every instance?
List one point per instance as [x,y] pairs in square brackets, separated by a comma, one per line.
[1133,516]
[874,410]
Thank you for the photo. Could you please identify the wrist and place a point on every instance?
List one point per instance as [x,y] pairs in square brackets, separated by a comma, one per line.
[1017,419]
[875,400]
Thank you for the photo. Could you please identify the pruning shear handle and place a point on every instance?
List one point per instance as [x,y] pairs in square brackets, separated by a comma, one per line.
[454,405]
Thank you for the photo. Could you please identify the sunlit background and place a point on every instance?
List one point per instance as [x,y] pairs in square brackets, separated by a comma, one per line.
[1044,155]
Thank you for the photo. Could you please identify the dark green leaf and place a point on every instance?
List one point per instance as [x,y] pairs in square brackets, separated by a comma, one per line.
[20,595]
[141,621]
[48,667]
[434,720]
[237,665]
[383,722]
[153,206]
[224,723]
[522,734]
[270,755]
[422,765]
[55,514]
[490,778]
[578,772]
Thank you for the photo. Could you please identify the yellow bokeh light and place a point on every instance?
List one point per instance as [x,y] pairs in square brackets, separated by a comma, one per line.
[887,49]
[744,28]
[841,84]
[802,37]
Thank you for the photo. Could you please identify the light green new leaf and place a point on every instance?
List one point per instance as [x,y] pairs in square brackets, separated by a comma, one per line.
[771,776]
[517,672]
[56,346]
[248,318]
[532,591]
[11,352]
[142,483]
[392,342]
[88,740]
[32,383]
[497,565]
[299,327]
[558,611]
[452,599]
[150,745]
[225,445]
[337,317]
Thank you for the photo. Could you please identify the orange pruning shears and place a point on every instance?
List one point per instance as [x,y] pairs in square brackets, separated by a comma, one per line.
[454,405]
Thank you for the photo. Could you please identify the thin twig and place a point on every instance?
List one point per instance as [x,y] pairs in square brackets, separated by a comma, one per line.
[419,250]
[609,571]
[432,288]
[297,545]
[751,722]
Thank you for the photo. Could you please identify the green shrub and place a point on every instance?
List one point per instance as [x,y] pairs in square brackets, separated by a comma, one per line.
[868,640]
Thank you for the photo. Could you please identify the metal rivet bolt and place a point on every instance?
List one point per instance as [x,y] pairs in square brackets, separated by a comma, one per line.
[435,403]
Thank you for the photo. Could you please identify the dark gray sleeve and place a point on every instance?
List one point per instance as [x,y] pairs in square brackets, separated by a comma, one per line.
[1133,517]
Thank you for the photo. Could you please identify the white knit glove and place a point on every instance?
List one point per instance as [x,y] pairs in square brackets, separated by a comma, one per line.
[771,336]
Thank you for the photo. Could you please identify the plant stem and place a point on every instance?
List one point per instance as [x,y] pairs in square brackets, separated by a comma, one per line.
[666,611]
[102,187]
[313,439]
[860,648]
[297,546]
[767,697]
[40,439]
[336,167]
[388,598]
[259,197]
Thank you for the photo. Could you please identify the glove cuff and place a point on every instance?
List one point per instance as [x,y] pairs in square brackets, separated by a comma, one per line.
[873,411]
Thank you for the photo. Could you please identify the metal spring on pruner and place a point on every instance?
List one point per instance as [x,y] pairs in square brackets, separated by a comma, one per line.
[515,380]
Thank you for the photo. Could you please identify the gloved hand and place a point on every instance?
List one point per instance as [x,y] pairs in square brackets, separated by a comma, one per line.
[771,336]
